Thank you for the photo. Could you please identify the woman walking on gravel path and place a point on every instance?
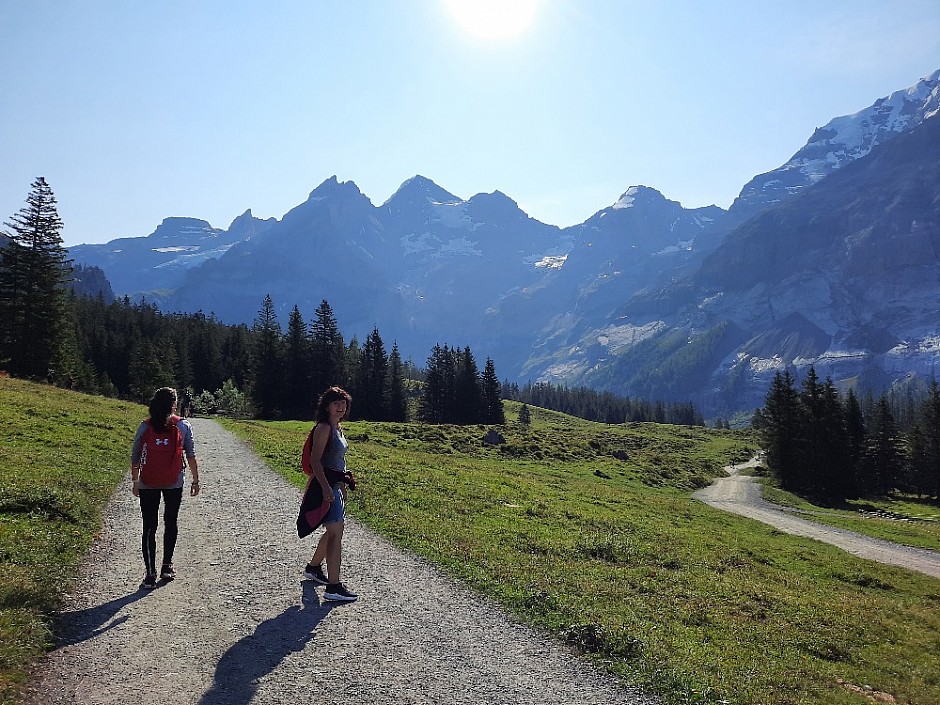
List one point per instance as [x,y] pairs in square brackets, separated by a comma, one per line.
[326,464]
[158,467]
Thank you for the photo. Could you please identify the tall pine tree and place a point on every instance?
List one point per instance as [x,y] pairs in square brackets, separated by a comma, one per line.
[882,457]
[298,392]
[397,402]
[925,445]
[327,351]
[437,397]
[267,362]
[371,378]
[782,432]
[468,396]
[34,271]
[492,402]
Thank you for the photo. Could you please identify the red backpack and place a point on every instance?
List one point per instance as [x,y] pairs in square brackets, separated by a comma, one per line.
[306,462]
[161,454]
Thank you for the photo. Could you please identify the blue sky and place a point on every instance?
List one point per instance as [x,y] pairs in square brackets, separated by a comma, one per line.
[136,111]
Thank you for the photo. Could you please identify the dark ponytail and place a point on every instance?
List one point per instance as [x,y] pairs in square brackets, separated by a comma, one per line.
[161,407]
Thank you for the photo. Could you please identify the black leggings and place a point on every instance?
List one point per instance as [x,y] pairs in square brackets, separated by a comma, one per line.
[149,508]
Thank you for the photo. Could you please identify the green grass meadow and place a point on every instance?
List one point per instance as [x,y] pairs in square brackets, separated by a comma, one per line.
[586,530]
[615,558]
[61,455]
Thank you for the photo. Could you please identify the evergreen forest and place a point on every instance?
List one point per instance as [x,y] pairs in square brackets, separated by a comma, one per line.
[823,445]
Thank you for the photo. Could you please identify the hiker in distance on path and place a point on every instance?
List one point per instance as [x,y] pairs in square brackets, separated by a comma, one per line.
[163,448]
[326,463]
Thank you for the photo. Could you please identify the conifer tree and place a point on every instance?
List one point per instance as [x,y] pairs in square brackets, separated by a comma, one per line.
[371,379]
[783,429]
[930,422]
[808,470]
[207,352]
[298,391]
[837,475]
[397,401]
[437,399]
[855,438]
[34,271]
[267,361]
[467,392]
[150,369]
[925,445]
[882,459]
[348,366]
[328,351]
[492,403]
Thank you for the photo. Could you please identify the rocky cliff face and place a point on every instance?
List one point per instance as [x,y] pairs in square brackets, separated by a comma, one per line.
[844,276]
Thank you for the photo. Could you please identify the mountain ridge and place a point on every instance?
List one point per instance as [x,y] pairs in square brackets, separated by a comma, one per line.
[642,290]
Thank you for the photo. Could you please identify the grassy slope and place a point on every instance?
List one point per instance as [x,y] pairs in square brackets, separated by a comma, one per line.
[60,457]
[612,554]
[615,557]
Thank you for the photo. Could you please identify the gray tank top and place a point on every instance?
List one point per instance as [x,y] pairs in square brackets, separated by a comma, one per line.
[335,456]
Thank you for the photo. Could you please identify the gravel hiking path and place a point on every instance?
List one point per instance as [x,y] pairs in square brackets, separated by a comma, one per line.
[740,494]
[237,626]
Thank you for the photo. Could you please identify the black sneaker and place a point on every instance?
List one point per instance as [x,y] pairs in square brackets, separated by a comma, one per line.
[315,573]
[150,582]
[168,572]
[340,593]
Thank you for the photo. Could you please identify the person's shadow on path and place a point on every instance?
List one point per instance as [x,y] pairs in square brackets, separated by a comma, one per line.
[72,628]
[247,660]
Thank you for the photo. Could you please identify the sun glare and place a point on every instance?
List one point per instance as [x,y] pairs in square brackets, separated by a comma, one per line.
[493,19]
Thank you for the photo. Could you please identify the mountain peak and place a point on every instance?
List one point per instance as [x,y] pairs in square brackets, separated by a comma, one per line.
[420,188]
[171,228]
[839,142]
[244,217]
[333,187]
[491,206]
[638,195]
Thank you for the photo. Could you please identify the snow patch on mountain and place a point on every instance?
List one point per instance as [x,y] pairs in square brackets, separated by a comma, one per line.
[551,262]
[454,216]
[195,259]
[415,243]
[627,199]
[617,338]
[763,365]
[681,246]
[178,248]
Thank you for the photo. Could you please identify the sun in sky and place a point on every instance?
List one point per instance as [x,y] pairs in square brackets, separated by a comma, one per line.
[494,19]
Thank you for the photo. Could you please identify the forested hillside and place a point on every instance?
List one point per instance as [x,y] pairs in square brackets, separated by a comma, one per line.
[61,324]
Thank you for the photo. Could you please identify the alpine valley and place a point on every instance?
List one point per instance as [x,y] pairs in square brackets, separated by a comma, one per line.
[830,260]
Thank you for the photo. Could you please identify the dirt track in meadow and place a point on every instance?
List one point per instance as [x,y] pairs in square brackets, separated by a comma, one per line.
[740,494]
[237,626]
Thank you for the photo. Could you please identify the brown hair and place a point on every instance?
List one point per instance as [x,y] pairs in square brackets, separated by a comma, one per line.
[161,407]
[328,397]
